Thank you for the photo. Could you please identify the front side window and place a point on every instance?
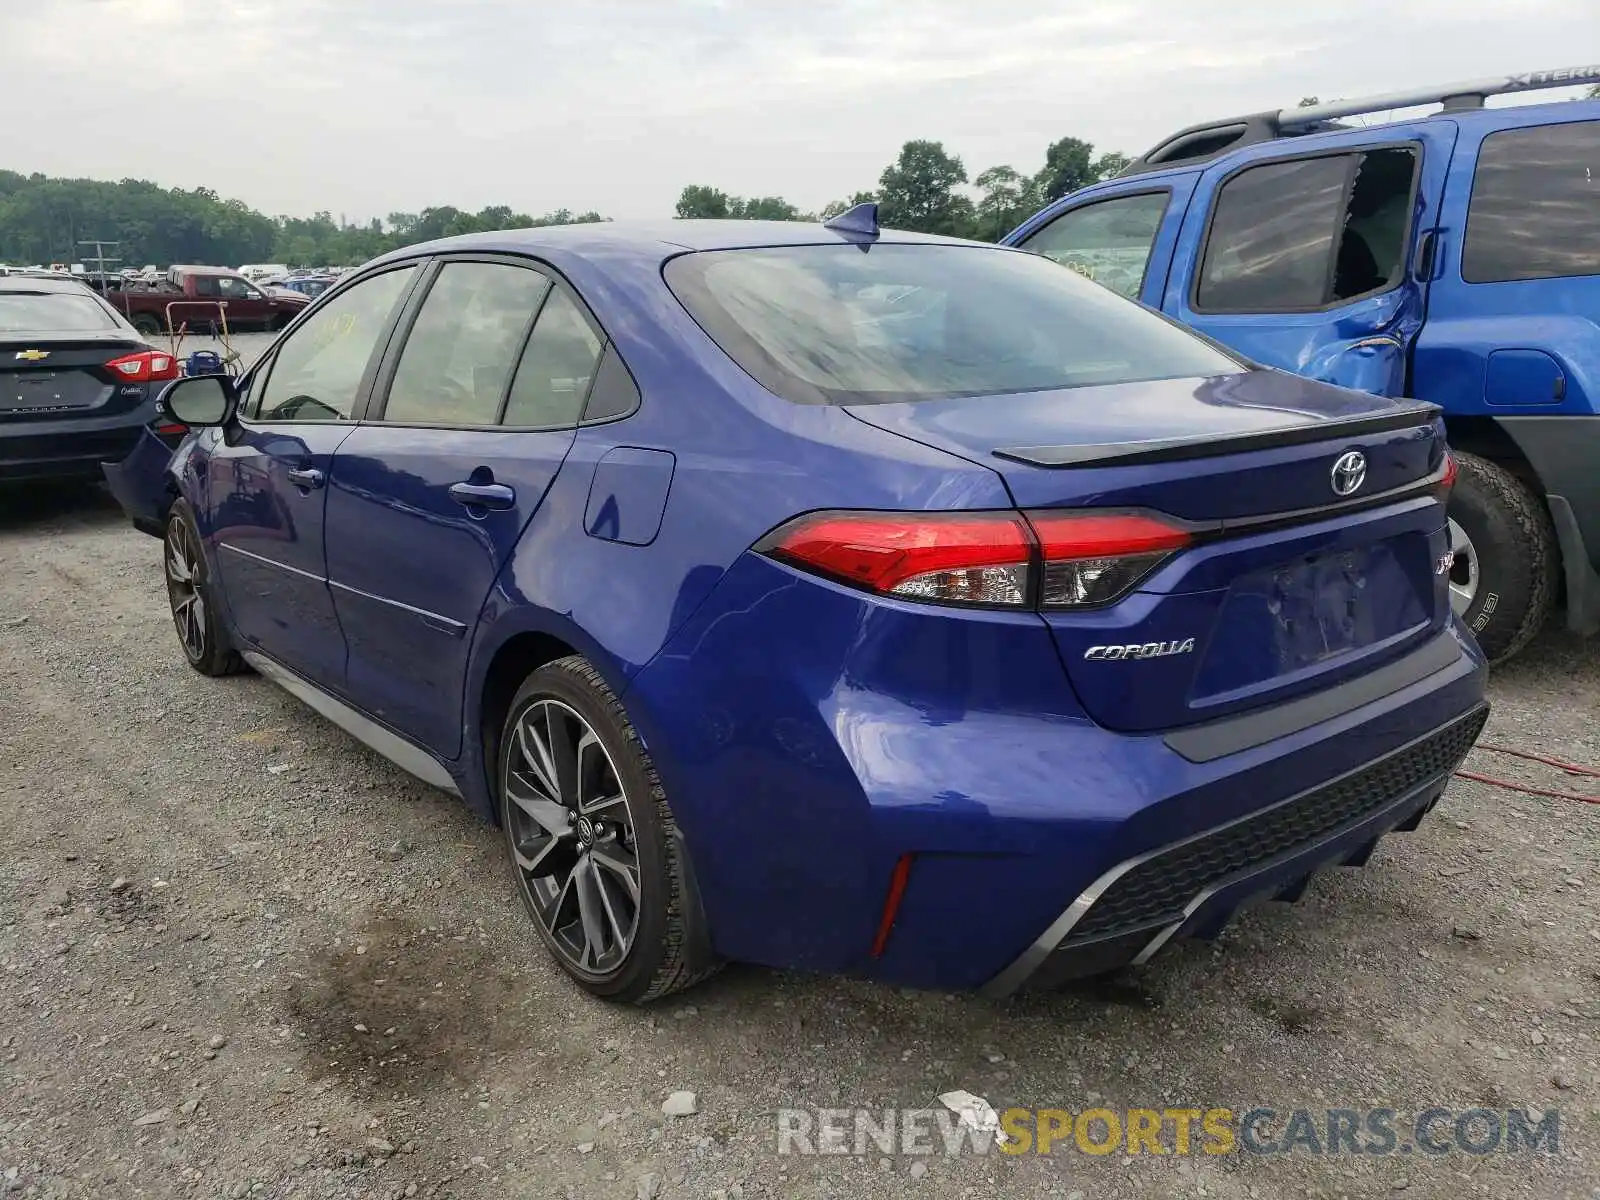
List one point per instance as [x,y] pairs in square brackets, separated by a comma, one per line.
[458,359]
[317,373]
[1535,209]
[230,288]
[1309,233]
[839,324]
[1108,242]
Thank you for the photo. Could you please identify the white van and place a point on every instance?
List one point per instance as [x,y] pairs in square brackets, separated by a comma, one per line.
[255,271]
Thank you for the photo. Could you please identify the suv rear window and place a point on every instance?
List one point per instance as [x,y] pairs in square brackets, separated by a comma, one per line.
[839,324]
[1535,210]
[52,312]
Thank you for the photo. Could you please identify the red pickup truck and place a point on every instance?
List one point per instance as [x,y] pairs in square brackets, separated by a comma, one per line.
[199,299]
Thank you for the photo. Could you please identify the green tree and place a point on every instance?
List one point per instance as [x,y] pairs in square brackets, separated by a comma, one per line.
[767,208]
[1594,92]
[1308,102]
[1008,197]
[1110,164]
[918,191]
[1068,166]
[699,202]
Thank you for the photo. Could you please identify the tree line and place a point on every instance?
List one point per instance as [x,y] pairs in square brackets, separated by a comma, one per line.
[45,220]
[926,189]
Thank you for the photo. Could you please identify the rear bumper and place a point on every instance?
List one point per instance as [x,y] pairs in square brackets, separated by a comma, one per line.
[69,448]
[1194,886]
[810,738]
[138,480]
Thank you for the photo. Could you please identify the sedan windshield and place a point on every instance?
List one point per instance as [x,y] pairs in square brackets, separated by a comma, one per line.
[845,324]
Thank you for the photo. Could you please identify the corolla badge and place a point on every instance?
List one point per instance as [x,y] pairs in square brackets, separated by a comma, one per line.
[1349,473]
[1139,650]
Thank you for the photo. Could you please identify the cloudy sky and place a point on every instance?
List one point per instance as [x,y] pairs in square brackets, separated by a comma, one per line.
[364,107]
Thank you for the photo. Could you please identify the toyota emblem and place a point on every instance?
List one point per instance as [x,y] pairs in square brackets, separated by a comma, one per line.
[1349,473]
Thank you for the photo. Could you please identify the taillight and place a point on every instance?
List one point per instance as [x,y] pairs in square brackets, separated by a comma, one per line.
[1049,559]
[955,558]
[1092,558]
[1451,470]
[147,366]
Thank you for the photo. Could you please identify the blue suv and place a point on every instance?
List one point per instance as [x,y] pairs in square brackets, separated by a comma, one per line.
[1454,259]
[829,597]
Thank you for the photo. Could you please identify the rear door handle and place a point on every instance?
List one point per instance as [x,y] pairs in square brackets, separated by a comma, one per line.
[483,495]
[306,477]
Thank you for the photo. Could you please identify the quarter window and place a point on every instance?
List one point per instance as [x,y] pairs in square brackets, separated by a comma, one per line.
[1309,233]
[560,361]
[464,344]
[1108,242]
[1535,210]
[319,367]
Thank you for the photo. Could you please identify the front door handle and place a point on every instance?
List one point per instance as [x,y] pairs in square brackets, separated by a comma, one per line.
[306,477]
[483,495]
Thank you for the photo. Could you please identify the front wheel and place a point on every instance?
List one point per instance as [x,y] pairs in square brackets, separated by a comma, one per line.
[593,843]
[200,629]
[1505,565]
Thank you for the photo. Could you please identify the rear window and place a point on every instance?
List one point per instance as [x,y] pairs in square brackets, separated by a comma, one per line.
[1535,210]
[839,324]
[52,312]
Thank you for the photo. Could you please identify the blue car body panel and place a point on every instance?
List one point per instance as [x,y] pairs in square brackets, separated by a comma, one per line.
[809,734]
[1521,356]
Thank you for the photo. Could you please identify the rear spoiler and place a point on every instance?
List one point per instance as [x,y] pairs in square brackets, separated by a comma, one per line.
[1180,449]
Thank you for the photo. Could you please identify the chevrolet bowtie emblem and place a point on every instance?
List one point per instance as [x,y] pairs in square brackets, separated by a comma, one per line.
[32,355]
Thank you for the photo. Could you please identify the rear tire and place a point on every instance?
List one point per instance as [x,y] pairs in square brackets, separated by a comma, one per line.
[191,595]
[593,843]
[1505,577]
[148,324]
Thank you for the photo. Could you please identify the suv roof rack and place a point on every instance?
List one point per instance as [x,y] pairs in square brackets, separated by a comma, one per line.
[1199,143]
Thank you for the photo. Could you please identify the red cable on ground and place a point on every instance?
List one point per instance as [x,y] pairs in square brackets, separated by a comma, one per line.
[1574,768]
[1532,791]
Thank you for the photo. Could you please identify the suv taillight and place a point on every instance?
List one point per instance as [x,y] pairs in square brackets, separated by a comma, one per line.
[1050,559]
[147,366]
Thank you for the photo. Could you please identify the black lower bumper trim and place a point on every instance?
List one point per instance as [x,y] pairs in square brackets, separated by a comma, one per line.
[1218,739]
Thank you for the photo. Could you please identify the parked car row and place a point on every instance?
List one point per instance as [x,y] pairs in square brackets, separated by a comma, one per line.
[843,599]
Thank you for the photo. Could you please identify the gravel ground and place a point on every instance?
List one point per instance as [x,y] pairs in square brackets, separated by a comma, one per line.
[241,955]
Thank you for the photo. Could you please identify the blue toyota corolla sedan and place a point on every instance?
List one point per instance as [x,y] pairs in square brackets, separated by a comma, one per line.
[828,597]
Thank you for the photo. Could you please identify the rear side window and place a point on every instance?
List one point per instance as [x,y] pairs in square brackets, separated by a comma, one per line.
[845,324]
[1108,242]
[1535,210]
[559,364]
[52,312]
[464,344]
[319,367]
[1309,233]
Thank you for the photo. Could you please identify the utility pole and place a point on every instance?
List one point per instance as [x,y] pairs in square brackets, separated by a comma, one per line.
[100,258]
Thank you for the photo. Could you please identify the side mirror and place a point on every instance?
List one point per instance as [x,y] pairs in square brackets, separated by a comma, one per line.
[200,400]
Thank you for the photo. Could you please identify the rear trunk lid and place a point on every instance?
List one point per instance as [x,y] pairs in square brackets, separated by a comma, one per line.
[1291,583]
[51,376]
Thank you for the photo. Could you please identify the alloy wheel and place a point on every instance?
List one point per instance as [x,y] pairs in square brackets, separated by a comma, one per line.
[183,570]
[1463,570]
[573,837]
